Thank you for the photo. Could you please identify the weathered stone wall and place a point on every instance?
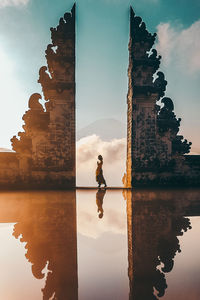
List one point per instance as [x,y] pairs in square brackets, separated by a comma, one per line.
[9,169]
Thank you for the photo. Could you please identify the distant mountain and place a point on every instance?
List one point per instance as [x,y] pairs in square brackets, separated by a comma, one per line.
[107,129]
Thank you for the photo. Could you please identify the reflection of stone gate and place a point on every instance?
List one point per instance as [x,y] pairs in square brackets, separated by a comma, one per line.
[155,153]
[45,151]
[155,220]
[46,223]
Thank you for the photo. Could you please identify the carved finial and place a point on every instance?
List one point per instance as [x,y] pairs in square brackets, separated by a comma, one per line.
[132,14]
[138,31]
[73,10]
[42,71]
[44,78]
[67,16]
[181,145]
[66,28]
[34,102]
[49,50]
[37,271]
[168,103]
[160,83]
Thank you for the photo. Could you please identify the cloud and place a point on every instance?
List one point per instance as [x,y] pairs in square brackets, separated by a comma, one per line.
[114,213]
[180,47]
[114,154]
[103,244]
[6,3]
[180,50]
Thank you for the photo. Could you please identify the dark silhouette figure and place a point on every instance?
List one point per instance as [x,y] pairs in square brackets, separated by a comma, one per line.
[99,172]
[99,201]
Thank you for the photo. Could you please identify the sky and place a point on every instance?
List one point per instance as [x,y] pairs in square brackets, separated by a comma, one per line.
[101,58]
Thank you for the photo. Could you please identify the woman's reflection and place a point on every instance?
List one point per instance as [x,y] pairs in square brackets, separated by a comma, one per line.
[99,201]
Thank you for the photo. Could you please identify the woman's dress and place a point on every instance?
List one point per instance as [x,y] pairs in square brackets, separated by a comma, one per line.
[99,173]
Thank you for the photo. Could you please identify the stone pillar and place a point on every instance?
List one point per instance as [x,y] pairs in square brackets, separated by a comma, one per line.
[58,83]
[142,97]
[49,134]
[151,130]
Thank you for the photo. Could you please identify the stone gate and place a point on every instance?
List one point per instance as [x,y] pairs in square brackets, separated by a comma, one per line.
[44,154]
[155,151]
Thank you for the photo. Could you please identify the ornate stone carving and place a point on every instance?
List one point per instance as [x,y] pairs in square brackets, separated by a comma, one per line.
[49,135]
[35,118]
[34,102]
[22,145]
[152,140]
[139,33]
[180,145]
[166,119]
[160,84]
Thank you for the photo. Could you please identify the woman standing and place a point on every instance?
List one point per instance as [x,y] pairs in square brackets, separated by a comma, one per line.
[99,172]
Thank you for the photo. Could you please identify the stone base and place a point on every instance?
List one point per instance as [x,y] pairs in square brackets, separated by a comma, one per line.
[12,177]
[186,174]
[21,185]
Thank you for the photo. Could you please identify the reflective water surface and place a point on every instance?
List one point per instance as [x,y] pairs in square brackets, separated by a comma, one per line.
[100,244]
